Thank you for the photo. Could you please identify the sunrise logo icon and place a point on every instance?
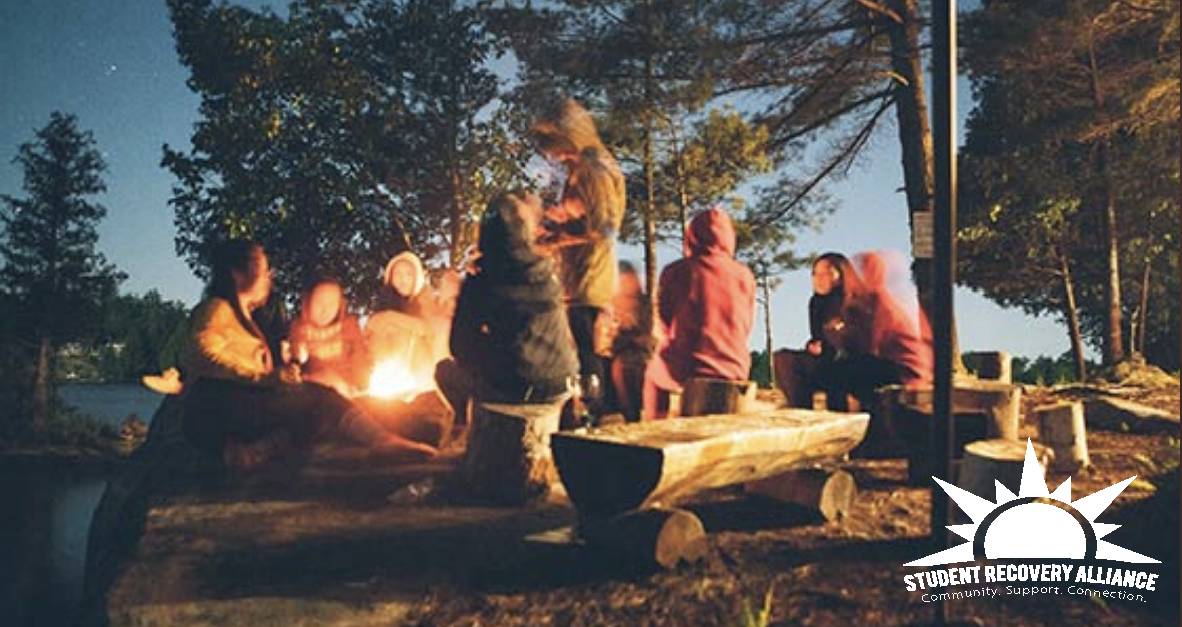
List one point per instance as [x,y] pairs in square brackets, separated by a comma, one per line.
[1034,523]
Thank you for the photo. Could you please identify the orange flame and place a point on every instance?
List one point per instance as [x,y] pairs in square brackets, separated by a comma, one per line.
[391,378]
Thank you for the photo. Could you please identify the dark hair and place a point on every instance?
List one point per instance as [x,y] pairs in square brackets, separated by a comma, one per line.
[226,258]
[849,284]
[505,250]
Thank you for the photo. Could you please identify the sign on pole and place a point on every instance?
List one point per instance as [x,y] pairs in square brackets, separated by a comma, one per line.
[921,235]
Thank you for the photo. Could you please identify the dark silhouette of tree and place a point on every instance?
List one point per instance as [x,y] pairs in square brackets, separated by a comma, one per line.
[53,279]
[1074,101]
[339,134]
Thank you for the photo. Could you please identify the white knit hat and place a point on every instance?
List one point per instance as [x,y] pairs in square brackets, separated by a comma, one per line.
[415,262]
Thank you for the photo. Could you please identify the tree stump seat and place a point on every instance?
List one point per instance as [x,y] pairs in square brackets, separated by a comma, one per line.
[702,396]
[508,457]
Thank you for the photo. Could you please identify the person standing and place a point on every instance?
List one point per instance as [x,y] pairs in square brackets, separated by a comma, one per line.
[581,228]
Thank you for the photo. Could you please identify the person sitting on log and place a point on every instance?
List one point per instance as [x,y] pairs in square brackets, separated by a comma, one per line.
[413,317]
[237,405]
[860,340]
[900,333]
[706,308]
[632,342]
[801,373]
[326,341]
[582,229]
[510,339]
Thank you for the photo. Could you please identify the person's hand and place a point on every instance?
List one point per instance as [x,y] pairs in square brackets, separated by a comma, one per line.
[290,374]
[813,347]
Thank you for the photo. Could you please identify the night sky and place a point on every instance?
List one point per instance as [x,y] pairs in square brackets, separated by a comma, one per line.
[113,64]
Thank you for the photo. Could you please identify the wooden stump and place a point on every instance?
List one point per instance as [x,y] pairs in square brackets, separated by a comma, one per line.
[649,537]
[829,493]
[704,397]
[1061,426]
[508,458]
[994,366]
[1001,460]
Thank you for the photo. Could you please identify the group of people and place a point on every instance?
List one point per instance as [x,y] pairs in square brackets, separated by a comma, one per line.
[545,314]
[862,336]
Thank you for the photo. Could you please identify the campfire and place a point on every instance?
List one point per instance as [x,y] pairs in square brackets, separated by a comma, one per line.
[392,378]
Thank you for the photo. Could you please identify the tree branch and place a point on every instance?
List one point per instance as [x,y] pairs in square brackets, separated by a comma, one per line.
[846,154]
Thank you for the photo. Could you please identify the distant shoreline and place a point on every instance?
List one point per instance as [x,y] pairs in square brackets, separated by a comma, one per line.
[30,458]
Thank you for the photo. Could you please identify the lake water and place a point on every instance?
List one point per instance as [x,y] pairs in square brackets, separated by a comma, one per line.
[43,535]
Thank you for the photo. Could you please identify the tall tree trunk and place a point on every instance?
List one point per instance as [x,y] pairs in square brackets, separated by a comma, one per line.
[459,224]
[1113,344]
[43,384]
[1143,319]
[650,199]
[767,325]
[1072,315]
[915,138]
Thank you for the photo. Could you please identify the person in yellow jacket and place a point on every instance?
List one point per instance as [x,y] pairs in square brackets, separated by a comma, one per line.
[582,227]
[238,404]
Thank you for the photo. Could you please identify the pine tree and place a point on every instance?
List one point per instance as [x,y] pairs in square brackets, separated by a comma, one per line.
[53,276]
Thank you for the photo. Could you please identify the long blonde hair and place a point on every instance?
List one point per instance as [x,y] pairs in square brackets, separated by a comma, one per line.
[566,125]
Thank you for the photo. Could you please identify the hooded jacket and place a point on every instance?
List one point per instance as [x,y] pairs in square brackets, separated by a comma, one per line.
[706,303]
[510,330]
[587,271]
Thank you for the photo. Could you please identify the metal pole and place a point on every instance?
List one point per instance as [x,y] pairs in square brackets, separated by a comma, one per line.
[944,49]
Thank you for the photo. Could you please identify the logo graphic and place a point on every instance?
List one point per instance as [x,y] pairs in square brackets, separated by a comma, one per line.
[1034,523]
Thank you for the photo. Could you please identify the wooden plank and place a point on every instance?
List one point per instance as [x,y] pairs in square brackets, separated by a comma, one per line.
[615,469]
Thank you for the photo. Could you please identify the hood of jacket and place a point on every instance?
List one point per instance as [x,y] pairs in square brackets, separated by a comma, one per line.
[711,233]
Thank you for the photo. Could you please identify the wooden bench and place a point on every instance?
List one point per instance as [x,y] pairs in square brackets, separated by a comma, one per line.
[627,478]
[991,365]
[981,410]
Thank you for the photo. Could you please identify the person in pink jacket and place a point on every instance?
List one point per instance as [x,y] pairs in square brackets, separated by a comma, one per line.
[706,308]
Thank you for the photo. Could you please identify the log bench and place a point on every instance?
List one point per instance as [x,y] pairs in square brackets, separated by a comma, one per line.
[981,410]
[624,478]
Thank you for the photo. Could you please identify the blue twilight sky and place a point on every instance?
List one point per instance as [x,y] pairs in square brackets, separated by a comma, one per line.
[113,64]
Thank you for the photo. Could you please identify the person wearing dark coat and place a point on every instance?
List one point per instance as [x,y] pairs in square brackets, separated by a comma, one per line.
[510,338]
[861,339]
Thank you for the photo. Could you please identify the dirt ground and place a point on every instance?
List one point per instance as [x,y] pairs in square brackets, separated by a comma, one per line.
[850,571]
[330,547]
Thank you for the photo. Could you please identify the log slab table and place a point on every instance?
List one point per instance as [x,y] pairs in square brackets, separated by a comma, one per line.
[981,410]
[622,468]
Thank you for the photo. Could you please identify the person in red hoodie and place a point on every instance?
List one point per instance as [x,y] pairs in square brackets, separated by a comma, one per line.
[706,307]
